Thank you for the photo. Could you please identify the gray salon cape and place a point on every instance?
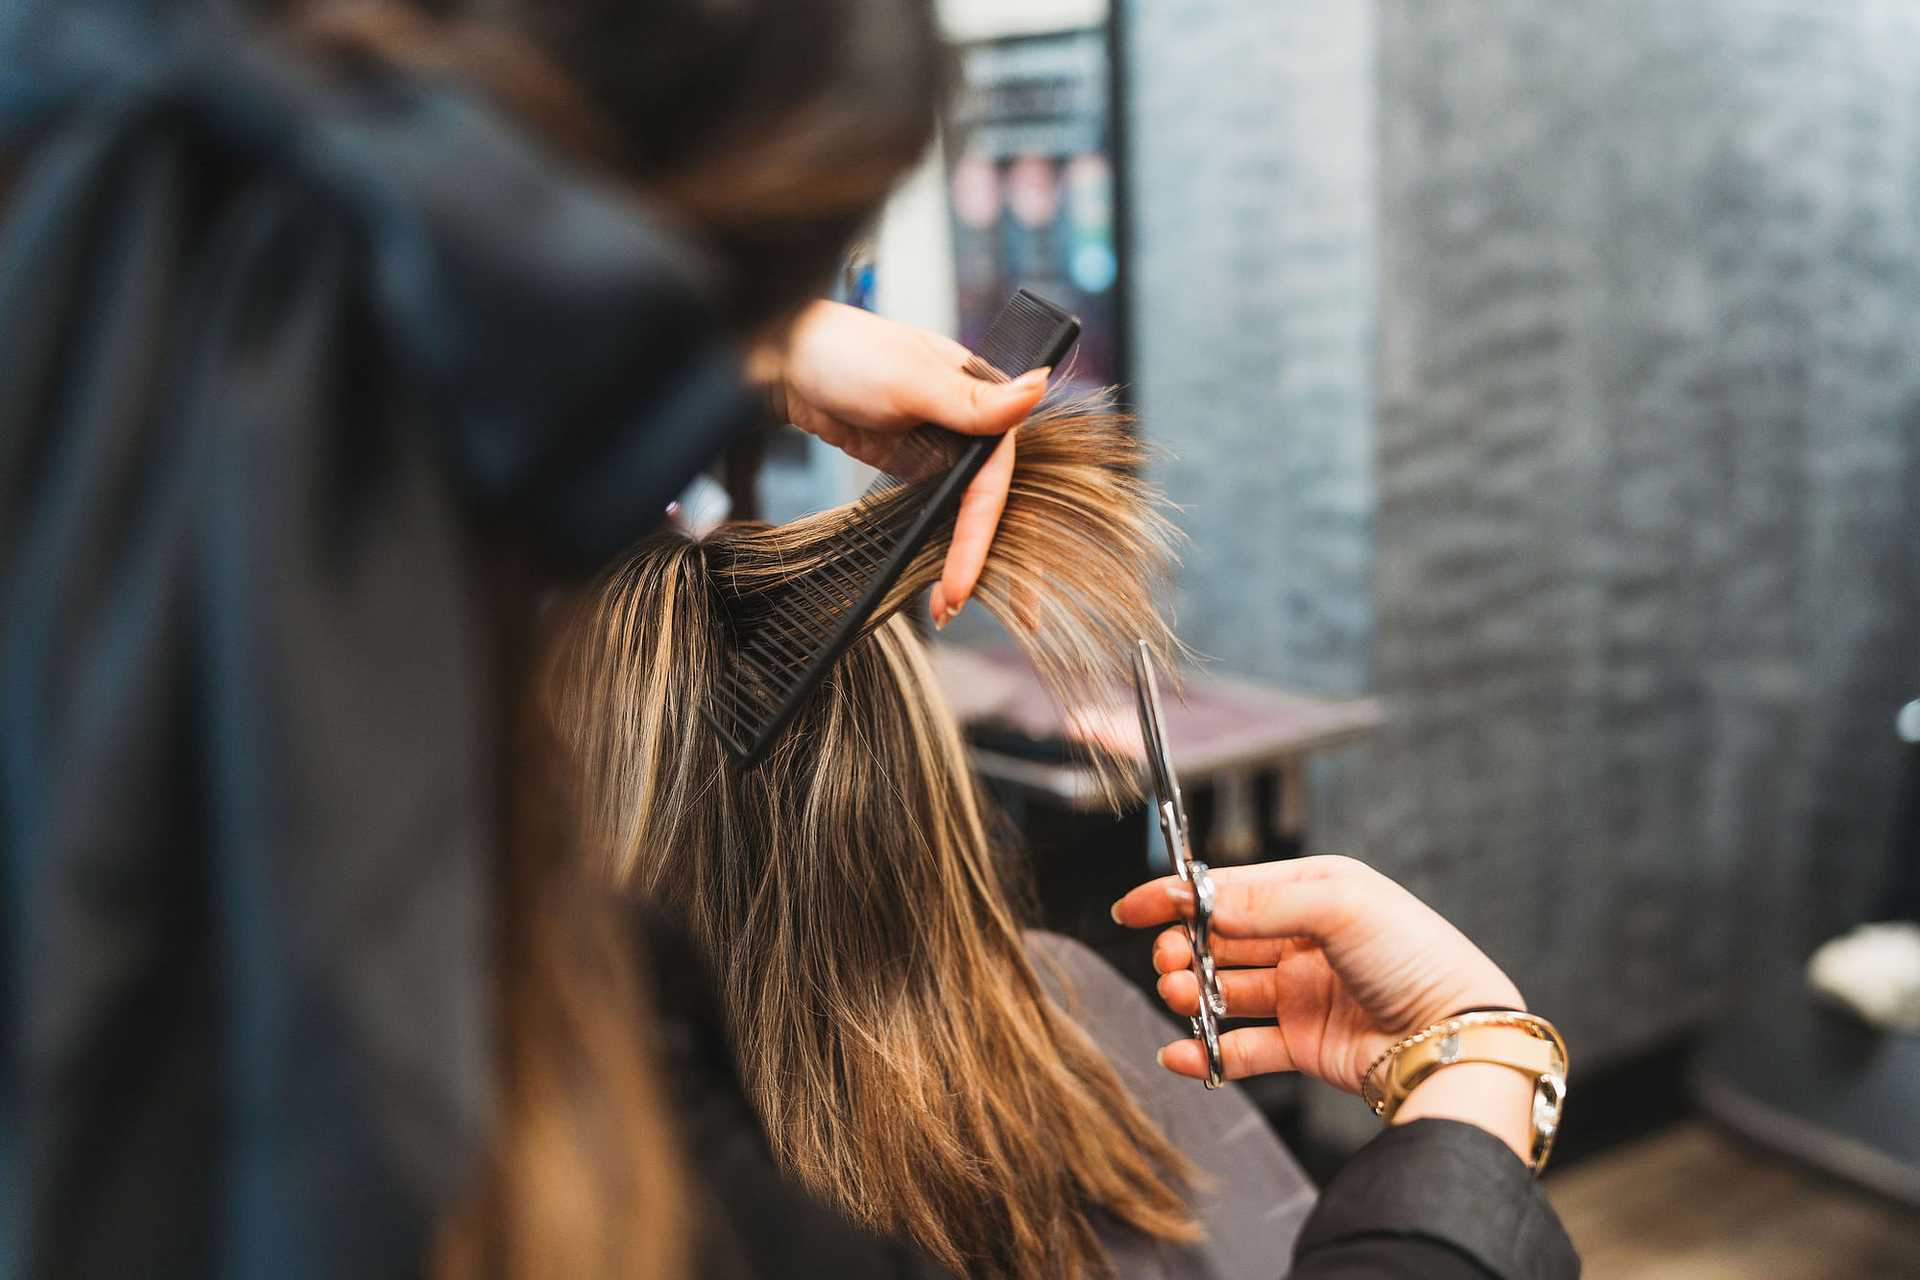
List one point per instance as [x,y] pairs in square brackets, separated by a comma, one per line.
[275,358]
[1255,1198]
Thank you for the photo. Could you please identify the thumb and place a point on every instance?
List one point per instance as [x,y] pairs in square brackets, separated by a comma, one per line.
[973,406]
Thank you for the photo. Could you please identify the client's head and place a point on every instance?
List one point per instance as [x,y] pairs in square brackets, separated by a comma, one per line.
[850,889]
[767,131]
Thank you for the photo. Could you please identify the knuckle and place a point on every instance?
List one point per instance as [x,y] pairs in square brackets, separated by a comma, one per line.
[1162,955]
[1343,866]
[1343,900]
[1234,1058]
[976,397]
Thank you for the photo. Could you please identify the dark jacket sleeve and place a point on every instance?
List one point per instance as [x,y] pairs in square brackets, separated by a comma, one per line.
[1436,1200]
[754,1221]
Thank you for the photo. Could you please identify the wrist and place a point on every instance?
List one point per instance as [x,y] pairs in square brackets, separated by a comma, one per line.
[1490,996]
[1491,1097]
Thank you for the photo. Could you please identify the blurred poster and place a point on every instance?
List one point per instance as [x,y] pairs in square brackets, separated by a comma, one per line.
[1031,187]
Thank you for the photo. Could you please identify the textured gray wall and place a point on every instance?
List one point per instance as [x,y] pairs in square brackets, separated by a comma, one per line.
[1251,152]
[1648,540]
[1639,476]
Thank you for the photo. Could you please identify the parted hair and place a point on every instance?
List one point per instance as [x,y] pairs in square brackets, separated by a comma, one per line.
[893,1034]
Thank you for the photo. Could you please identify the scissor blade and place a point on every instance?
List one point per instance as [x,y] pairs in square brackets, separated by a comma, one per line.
[1152,734]
[1153,737]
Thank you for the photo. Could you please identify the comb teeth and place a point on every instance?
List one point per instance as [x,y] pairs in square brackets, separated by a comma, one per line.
[1027,333]
[785,648]
[772,659]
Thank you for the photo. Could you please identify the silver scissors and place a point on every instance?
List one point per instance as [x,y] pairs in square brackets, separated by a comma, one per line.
[1173,825]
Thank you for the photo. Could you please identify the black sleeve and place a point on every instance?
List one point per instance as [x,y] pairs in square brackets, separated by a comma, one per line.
[1437,1200]
[754,1222]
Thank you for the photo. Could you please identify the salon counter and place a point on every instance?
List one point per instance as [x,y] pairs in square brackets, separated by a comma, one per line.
[1243,741]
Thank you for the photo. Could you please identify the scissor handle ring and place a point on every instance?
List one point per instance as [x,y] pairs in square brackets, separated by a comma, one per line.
[1207,1031]
[1211,1005]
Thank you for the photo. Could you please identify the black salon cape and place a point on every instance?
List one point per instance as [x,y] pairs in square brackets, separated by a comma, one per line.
[272,358]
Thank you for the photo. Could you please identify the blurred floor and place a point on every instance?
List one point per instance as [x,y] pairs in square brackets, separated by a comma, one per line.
[1689,1204]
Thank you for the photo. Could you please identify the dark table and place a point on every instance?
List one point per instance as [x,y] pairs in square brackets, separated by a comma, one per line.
[1224,734]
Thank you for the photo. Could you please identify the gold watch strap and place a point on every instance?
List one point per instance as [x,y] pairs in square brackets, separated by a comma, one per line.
[1508,1038]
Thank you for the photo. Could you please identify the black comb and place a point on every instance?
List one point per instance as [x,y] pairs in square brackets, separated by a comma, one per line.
[786,641]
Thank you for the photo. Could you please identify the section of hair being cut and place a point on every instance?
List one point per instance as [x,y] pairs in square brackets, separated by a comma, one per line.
[850,891]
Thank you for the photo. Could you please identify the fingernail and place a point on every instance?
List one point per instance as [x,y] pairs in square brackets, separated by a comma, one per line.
[1115,913]
[940,617]
[955,611]
[1160,1055]
[1180,895]
[1031,379]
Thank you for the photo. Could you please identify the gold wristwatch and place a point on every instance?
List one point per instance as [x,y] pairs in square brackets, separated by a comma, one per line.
[1500,1037]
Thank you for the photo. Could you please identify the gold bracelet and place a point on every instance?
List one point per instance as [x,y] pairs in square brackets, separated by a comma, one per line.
[1508,1038]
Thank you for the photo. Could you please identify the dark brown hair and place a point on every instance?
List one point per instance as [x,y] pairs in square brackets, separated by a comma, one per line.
[769,130]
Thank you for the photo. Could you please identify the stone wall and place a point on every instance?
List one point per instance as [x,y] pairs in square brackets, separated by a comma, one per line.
[1250,144]
[1553,371]
[1647,566]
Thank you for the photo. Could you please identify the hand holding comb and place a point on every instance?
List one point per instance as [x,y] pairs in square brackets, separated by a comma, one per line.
[785,645]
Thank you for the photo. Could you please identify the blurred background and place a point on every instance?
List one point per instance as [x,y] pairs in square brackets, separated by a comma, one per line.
[1540,384]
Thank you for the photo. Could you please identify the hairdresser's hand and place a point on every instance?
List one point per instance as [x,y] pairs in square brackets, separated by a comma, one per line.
[860,382]
[1340,958]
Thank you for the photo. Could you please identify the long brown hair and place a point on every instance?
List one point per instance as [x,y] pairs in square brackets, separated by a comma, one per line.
[893,1033]
[766,133]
